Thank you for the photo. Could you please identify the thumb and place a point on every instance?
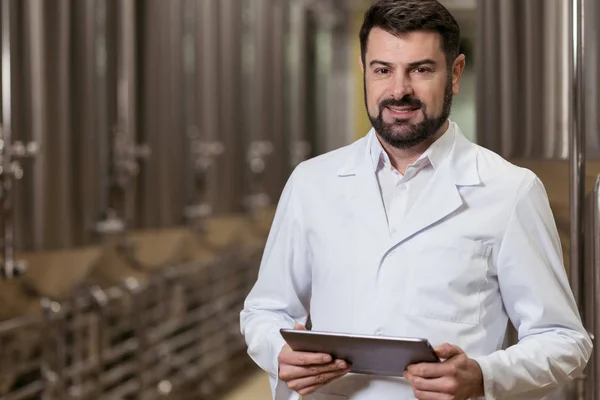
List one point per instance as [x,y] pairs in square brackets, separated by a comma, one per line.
[446,351]
[299,327]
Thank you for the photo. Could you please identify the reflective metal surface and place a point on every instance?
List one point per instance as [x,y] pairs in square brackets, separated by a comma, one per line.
[594,289]
[591,282]
[526,104]
[177,334]
[577,156]
[152,119]
[153,114]
[11,151]
[537,110]
[156,117]
[159,187]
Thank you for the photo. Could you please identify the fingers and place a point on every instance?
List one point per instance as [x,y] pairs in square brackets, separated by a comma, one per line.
[288,373]
[446,351]
[306,372]
[302,385]
[424,395]
[309,390]
[453,378]
[430,370]
[290,357]
[436,370]
[444,385]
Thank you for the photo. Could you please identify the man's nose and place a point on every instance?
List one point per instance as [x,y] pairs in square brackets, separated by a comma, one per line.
[402,87]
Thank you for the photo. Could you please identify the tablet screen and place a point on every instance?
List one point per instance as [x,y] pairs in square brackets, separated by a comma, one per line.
[375,355]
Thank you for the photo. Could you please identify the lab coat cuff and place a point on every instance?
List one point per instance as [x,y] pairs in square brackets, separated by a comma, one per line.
[277,386]
[488,378]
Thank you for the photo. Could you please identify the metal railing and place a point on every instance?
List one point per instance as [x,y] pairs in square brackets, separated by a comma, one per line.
[173,336]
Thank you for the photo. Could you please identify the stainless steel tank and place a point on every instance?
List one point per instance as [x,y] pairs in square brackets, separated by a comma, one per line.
[54,91]
[537,101]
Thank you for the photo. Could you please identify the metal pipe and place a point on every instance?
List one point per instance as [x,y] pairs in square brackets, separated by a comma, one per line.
[135,291]
[189,92]
[297,144]
[100,300]
[231,164]
[534,114]
[258,144]
[553,78]
[10,152]
[577,156]
[201,32]
[277,172]
[7,206]
[39,121]
[596,283]
[126,94]
[54,348]
[577,166]
[202,133]
[125,151]
[508,70]
[100,90]
[564,109]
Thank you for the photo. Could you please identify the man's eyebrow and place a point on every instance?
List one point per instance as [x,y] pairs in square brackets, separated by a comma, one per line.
[385,64]
[410,65]
[422,62]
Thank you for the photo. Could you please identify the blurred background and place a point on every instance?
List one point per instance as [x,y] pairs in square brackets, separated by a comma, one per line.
[144,145]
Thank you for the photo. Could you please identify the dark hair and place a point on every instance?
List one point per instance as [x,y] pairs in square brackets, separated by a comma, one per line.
[402,16]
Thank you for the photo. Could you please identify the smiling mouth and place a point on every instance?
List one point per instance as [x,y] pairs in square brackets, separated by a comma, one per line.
[403,111]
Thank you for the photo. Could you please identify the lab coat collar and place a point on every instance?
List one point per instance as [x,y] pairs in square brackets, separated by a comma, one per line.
[434,155]
[461,161]
[440,198]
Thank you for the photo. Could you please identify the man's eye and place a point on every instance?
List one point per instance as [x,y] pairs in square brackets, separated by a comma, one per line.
[382,71]
[422,70]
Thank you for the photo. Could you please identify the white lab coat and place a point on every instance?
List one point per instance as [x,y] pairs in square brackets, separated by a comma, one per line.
[479,246]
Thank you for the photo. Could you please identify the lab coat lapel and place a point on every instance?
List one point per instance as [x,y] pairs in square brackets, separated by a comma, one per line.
[362,193]
[441,198]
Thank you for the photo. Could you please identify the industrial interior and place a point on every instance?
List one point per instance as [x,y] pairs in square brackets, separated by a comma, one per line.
[145,143]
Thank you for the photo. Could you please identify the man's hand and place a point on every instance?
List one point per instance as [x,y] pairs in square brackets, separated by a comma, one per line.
[457,378]
[306,372]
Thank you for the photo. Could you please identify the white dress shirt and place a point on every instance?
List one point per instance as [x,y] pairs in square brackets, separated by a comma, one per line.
[478,247]
[399,192]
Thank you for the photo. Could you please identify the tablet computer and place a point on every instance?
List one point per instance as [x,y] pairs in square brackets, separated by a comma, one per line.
[373,355]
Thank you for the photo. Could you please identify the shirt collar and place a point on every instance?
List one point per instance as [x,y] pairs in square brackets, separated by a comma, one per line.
[434,155]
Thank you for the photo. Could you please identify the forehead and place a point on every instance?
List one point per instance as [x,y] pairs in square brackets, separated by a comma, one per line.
[405,48]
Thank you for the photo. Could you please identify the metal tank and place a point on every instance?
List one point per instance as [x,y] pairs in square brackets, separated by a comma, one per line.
[262,72]
[332,74]
[537,69]
[45,194]
[151,113]
[126,125]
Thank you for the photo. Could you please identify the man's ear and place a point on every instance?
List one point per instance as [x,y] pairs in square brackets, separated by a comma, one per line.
[457,70]
[362,65]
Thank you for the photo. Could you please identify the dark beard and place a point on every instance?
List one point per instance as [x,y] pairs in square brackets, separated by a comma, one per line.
[411,135]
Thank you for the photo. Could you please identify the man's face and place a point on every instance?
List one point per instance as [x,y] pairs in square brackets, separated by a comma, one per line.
[408,87]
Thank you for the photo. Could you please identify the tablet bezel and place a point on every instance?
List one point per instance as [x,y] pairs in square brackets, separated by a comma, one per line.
[361,351]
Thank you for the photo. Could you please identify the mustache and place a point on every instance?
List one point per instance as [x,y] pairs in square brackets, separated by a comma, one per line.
[411,102]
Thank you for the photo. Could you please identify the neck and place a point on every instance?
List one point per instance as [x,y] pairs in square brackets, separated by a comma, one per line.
[402,158]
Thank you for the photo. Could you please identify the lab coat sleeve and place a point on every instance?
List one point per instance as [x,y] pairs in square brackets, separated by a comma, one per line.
[281,294]
[553,347]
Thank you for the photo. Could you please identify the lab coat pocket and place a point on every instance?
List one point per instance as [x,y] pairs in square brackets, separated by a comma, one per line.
[445,279]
